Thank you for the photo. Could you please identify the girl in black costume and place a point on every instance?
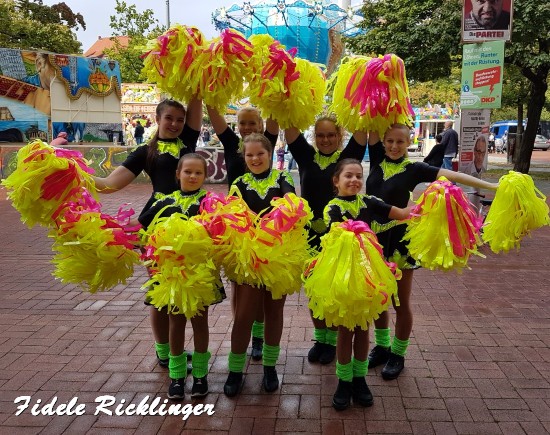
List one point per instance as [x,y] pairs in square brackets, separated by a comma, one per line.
[257,187]
[392,178]
[316,167]
[177,134]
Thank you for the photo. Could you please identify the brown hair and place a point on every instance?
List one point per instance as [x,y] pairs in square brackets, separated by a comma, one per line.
[152,146]
[257,137]
[340,168]
[191,156]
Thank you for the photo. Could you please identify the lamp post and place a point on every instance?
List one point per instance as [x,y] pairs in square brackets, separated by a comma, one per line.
[168,13]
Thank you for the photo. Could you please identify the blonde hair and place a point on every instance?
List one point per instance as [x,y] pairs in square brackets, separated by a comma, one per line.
[339,130]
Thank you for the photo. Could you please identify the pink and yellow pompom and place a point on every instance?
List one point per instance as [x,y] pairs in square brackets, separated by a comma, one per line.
[179,252]
[45,178]
[93,249]
[281,245]
[219,69]
[349,283]
[371,94]
[444,229]
[518,208]
[167,60]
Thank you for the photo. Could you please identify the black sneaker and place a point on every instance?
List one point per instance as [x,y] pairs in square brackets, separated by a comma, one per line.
[328,355]
[360,391]
[176,390]
[257,348]
[342,397]
[378,355]
[200,387]
[162,362]
[271,380]
[233,384]
[393,367]
[315,352]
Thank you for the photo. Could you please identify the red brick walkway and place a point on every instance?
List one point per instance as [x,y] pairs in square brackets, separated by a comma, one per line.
[478,361]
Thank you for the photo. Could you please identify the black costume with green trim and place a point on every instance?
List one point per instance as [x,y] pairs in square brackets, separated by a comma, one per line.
[257,190]
[357,207]
[393,181]
[316,170]
[162,169]
[234,161]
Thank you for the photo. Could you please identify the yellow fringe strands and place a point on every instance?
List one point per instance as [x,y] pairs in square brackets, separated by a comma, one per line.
[349,283]
[93,249]
[184,278]
[281,245]
[44,179]
[218,71]
[290,91]
[167,60]
[371,94]
[518,208]
[443,230]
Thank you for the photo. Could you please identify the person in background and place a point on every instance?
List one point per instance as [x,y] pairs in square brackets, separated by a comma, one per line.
[435,156]
[61,139]
[138,133]
[450,143]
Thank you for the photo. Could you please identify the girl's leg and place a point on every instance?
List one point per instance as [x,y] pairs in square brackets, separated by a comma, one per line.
[324,348]
[159,325]
[344,369]
[274,319]
[178,359]
[201,356]
[403,327]
[249,297]
[360,365]
[258,331]
[380,353]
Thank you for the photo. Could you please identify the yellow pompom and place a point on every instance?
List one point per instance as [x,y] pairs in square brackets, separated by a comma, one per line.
[349,283]
[518,208]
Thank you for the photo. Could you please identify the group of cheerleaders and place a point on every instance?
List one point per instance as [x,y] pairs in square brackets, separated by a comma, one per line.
[331,178]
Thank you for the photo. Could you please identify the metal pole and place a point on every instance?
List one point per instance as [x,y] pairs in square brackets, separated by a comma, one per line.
[168,13]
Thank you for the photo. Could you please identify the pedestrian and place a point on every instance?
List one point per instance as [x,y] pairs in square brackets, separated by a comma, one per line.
[450,142]
[317,165]
[139,132]
[435,156]
[191,173]
[351,204]
[248,121]
[177,135]
[280,151]
[392,178]
[257,188]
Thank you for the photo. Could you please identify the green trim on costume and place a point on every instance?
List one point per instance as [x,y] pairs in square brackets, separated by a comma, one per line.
[177,366]
[186,201]
[399,347]
[236,362]
[199,363]
[320,335]
[378,227]
[262,186]
[389,169]
[172,148]
[325,161]
[360,368]
[258,329]
[332,337]
[318,225]
[352,207]
[163,350]
[344,372]
[270,355]
[382,337]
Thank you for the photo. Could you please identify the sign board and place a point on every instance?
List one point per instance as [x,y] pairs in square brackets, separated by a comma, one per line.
[487,20]
[474,141]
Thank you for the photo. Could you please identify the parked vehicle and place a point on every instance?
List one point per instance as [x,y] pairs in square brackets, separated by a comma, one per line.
[541,143]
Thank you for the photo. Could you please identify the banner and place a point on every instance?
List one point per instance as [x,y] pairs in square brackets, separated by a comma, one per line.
[482,69]
[487,20]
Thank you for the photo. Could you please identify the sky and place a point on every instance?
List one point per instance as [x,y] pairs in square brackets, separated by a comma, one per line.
[96,14]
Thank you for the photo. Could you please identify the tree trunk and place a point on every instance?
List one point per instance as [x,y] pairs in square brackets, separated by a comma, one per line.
[534,110]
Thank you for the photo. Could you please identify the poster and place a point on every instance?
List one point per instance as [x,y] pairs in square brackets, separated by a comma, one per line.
[487,20]
[474,141]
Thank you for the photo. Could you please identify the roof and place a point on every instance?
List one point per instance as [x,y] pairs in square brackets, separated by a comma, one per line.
[98,48]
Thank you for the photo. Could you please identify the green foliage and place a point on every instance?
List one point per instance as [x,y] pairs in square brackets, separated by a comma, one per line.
[139,27]
[31,25]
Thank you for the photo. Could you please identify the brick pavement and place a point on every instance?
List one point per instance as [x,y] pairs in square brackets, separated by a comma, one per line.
[478,361]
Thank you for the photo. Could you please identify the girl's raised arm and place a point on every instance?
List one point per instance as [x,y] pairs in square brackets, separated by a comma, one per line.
[194,114]
[116,180]
[468,180]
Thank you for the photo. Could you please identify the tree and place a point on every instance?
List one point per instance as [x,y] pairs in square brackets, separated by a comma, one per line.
[31,25]
[139,27]
[426,35]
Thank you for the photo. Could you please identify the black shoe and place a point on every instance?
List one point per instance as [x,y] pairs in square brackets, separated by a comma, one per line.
[200,387]
[176,390]
[233,384]
[257,348]
[162,362]
[315,352]
[378,355]
[393,367]
[271,380]
[360,391]
[328,355]
[342,397]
